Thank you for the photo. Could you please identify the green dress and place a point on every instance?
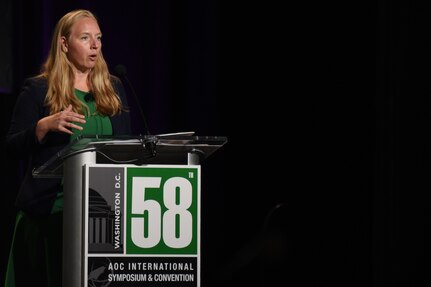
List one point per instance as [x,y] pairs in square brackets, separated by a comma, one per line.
[36,252]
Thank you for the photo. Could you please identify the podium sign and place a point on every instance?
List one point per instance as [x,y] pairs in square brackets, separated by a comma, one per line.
[149,235]
[141,225]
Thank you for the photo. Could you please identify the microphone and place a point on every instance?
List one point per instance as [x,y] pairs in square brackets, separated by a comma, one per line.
[120,71]
[89,97]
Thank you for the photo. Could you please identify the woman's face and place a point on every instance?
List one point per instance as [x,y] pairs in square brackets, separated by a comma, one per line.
[84,44]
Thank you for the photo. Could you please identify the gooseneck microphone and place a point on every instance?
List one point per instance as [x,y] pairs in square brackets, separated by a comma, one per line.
[120,71]
[150,143]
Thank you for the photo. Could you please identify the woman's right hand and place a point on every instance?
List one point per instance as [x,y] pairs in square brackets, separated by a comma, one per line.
[63,121]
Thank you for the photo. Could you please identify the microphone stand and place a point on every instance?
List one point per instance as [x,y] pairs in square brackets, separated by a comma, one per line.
[149,141]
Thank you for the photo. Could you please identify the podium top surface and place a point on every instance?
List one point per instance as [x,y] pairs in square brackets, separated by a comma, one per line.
[158,149]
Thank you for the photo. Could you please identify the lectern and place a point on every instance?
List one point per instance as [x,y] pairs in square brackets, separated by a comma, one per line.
[131,208]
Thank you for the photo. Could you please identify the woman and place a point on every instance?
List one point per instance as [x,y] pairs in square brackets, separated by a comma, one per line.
[74,94]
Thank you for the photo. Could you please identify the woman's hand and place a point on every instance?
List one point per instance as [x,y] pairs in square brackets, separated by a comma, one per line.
[63,121]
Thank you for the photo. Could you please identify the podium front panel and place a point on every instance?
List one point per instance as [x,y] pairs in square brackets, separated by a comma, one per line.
[141,225]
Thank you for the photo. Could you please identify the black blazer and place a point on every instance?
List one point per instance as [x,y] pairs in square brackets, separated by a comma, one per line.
[36,196]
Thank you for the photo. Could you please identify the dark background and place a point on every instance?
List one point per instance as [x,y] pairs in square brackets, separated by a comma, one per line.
[326,108]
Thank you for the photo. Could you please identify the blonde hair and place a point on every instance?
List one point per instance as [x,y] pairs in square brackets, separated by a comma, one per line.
[58,71]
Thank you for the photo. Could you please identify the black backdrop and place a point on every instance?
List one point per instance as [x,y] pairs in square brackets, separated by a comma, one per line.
[326,109]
